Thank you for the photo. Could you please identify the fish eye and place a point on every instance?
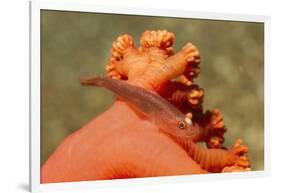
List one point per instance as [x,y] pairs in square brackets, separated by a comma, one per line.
[181,124]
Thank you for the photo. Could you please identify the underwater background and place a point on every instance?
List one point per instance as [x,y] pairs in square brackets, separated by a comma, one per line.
[75,44]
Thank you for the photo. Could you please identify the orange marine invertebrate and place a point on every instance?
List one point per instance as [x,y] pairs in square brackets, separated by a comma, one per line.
[161,114]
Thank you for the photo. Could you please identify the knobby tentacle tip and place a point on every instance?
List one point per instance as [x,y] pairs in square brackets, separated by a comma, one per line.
[239,152]
[195,96]
[161,39]
[235,169]
[120,46]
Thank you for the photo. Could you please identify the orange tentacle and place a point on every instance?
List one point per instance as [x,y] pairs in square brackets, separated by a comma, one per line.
[215,160]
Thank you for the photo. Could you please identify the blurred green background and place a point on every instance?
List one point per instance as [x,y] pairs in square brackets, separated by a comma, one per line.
[75,43]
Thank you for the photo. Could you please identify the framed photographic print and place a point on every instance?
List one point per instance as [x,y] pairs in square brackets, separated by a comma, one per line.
[125,96]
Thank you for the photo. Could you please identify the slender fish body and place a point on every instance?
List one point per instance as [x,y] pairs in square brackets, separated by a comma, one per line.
[158,110]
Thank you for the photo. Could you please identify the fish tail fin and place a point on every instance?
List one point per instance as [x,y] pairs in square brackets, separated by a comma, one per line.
[95,81]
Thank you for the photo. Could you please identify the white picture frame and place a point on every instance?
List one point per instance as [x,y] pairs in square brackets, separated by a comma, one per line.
[37,6]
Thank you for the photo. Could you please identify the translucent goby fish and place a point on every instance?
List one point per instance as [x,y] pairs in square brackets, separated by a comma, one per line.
[157,109]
